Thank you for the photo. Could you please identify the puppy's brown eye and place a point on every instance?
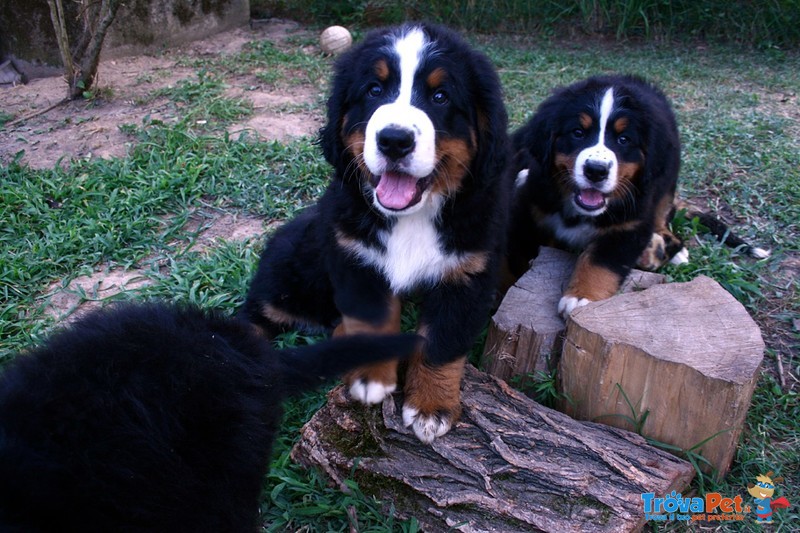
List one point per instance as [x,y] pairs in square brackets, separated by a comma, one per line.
[578,133]
[623,140]
[440,97]
[375,90]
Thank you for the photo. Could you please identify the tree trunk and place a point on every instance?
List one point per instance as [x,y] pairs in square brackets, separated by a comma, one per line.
[80,70]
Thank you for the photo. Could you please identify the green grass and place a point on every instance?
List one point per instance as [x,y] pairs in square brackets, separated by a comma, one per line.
[739,125]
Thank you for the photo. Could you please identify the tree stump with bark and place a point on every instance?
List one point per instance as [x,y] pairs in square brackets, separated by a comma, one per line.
[508,465]
[677,362]
[526,333]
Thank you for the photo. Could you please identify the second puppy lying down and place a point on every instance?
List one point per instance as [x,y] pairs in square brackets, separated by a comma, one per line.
[151,418]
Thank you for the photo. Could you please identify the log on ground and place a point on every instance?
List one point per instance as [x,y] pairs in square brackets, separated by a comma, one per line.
[508,465]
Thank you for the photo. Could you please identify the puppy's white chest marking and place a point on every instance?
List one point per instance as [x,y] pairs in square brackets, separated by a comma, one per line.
[413,255]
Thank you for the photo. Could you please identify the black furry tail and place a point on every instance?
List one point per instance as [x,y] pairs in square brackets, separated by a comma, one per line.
[310,366]
[721,231]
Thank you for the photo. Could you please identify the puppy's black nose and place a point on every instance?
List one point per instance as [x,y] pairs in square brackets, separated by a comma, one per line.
[595,171]
[395,143]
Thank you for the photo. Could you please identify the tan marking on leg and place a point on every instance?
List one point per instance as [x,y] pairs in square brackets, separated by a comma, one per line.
[383,373]
[279,316]
[432,403]
[471,264]
[630,225]
[592,281]
[433,389]
[662,212]
[654,256]
[669,244]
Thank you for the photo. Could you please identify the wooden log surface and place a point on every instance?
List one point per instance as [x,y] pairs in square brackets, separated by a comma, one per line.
[508,465]
[526,333]
[686,355]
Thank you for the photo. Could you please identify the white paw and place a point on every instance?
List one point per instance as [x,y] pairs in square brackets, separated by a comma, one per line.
[426,428]
[522,177]
[371,392]
[568,303]
[681,258]
[759,253]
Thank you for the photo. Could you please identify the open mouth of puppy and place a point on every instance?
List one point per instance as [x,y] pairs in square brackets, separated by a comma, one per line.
[590,200]
[397,191]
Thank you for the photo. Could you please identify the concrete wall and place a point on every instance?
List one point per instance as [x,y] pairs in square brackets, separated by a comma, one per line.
[26,31]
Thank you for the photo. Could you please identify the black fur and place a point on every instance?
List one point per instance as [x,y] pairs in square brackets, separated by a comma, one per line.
[149,418]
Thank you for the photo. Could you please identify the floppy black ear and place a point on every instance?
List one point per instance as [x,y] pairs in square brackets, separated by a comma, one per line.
[533,143]
[330,134]
[662,147]
[492,121]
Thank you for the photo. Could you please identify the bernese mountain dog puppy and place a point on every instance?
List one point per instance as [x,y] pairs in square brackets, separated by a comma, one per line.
[416,133]
[152,418]
[596,170]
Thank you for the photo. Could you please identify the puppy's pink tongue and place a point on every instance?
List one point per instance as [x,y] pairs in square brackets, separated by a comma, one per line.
[395,190]
[591,198]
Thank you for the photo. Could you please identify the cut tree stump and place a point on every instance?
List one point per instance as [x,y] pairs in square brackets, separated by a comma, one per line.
[509,465]
[680,359]
[526,333]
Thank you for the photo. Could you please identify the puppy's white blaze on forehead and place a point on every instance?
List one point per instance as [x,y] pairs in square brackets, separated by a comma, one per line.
[600,152]
[409,49]
[606,107]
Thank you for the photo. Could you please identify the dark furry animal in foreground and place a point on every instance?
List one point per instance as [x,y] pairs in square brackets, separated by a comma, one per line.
[150,418]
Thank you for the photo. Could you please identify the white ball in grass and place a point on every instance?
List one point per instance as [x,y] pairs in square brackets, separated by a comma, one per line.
[335,40]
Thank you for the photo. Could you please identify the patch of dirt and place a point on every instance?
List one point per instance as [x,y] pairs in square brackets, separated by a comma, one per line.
[126,87]
[86,293]
[271,120]
[226,227]
[89,292]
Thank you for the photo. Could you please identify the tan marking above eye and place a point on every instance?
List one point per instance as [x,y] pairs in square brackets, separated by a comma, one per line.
[436,77]
[620,124]
[585,120]
[382,69]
